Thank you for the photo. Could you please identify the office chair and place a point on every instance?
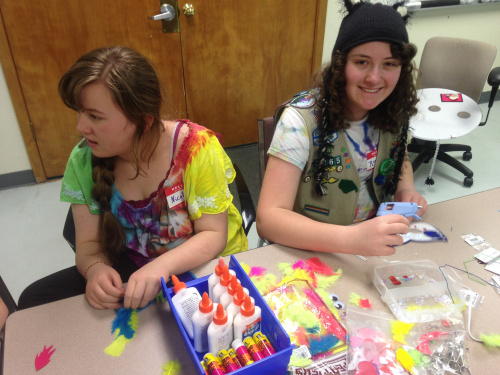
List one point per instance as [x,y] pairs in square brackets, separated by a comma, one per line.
[11,307]
[265,128]
[461,65]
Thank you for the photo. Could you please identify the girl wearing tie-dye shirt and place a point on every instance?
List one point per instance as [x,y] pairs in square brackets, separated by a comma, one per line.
[150,197]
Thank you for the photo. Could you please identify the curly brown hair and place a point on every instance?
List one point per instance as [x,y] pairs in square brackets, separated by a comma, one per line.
[136,90]
[393,114]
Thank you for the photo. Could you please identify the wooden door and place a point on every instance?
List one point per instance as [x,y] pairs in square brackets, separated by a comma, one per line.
[232,62]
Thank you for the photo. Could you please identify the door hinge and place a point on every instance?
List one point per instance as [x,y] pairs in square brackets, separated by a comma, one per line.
[32,131]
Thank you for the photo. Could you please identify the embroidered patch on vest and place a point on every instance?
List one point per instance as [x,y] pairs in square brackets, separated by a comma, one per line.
[315,113]
[319,210]
[347,186]
[303,101]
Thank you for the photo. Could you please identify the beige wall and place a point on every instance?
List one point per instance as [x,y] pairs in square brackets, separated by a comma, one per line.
[480,22]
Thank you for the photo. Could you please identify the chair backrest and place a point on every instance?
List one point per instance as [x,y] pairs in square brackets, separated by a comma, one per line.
[456,64]
[7,297]
[266,131]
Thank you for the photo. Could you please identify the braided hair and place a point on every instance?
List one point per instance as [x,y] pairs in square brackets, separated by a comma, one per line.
[136,90]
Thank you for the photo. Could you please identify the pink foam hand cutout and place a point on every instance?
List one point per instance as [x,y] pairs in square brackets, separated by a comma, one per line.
[43,358]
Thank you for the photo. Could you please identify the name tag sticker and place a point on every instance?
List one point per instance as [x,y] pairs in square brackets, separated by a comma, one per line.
[175,195]
[371,157]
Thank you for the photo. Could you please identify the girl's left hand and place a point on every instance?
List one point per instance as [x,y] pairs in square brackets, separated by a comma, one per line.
[411,195]
[144,285]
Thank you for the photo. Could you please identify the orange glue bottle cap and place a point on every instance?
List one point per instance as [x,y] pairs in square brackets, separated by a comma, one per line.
[206,304]
[247,308]
[233,285]
[225,278]
[220,316]
[239,296]
[219,268]
[178,285]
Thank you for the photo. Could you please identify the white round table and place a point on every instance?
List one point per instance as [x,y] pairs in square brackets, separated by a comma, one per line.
[444,114]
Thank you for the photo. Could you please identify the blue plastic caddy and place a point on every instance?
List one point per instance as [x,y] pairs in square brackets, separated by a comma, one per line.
[275,364]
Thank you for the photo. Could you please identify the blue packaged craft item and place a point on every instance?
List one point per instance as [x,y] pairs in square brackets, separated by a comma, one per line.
[276,363]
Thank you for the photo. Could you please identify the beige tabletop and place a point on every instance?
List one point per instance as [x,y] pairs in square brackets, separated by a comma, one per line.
[80,333]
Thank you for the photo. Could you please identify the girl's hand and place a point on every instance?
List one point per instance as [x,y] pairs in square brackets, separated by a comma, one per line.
[104,287]
[144,285]
[378,236]
[412,196]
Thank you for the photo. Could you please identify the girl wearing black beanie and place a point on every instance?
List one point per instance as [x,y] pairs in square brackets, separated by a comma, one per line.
[339,150]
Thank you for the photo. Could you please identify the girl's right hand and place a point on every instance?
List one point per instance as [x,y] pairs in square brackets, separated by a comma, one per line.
[104,287]
[379,235]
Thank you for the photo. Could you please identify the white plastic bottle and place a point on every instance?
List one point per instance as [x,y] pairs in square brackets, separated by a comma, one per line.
[247,321]
[201,320]
[186,302]
[227,297]
[221,286]
[220,331]
[215,277]
[238,298]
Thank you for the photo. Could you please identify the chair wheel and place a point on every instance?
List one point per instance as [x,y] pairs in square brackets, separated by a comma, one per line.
[468,181]
[467,155]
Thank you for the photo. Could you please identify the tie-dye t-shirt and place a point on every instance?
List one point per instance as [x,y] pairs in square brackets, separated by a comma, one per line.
[291,143]
[196,184]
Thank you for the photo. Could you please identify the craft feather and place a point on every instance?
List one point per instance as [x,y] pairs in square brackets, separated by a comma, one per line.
[245,267]
[172,368]
[491,340]
[322,344]
[317,266]
[328,281]
[264,284]
[116,348]
[298,313]
[300,264]
[405,359]
[256,271]
[285,268]
[124,322]
[357,300]
[123,327]
[301,275]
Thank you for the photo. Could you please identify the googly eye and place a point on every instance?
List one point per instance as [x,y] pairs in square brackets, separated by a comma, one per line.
[339,305]
[334,297]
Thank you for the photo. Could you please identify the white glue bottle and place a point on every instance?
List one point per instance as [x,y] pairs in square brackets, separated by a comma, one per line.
[220,331]
[238,298]
[186,302]
[247,321]
[227,297]
[221,286]
[215,277]
[201,320]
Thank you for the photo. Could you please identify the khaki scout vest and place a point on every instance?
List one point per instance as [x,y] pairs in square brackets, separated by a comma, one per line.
[339,205]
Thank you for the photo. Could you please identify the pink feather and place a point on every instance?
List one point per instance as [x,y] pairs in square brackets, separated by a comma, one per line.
[256,271]
[300,264]
[318,266]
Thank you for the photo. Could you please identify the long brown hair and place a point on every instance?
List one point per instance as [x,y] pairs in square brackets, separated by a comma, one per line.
[136,90]
[393,114]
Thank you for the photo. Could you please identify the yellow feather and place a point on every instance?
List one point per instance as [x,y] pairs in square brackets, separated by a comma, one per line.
[172,368]
[115,349]
[405,359]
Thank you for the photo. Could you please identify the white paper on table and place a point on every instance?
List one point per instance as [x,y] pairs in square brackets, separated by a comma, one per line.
[488,255]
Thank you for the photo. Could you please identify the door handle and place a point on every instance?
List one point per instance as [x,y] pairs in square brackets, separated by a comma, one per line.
[167,13]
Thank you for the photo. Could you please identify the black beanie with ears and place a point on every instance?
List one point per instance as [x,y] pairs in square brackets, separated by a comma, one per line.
[367,22]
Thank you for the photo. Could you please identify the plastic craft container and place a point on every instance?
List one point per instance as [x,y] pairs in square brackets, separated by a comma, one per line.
[418,291]
[271,327]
